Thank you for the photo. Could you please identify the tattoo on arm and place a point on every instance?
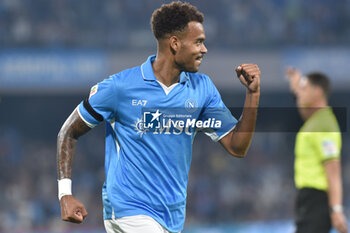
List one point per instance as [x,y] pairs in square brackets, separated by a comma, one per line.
[67,138]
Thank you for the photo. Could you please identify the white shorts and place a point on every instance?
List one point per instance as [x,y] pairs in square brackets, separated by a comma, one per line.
[134,224]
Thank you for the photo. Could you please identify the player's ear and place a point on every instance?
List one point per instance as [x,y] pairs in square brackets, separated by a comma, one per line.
[175,44]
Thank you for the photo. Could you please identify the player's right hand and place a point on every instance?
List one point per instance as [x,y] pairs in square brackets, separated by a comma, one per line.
[249,75]
[72,210]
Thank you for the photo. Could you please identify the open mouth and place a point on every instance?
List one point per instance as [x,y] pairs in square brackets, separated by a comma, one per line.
[199,58]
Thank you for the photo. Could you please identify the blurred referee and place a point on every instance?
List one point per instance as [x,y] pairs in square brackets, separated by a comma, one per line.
[317,157]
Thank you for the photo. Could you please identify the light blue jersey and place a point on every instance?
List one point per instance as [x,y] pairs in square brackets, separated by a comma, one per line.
[150,130]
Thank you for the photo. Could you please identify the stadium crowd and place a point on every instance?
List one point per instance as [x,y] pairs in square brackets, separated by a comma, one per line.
[118,24]
[221,189]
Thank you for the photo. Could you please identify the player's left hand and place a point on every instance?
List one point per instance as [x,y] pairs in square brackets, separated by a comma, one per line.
[339,222]
[249,75]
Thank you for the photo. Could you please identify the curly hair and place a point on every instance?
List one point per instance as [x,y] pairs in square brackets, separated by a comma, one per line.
[173,17]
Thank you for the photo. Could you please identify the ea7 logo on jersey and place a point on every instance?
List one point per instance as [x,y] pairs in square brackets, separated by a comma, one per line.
[136,102]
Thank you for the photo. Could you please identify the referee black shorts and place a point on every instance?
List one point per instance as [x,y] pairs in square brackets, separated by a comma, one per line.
[312,211]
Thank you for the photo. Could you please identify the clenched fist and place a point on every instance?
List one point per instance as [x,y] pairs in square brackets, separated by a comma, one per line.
[249,75]
[72,210]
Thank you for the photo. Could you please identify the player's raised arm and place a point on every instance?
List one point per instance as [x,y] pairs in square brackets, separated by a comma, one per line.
[74,127]
[237,142]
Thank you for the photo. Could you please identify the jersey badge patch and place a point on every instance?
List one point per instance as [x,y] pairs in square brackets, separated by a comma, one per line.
[93,91]
[329,148]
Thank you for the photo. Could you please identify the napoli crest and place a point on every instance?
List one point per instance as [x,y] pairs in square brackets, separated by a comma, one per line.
[191,105]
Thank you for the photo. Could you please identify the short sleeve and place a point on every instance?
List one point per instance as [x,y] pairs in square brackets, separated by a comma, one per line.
[216,111]
[101,103]
[328,145]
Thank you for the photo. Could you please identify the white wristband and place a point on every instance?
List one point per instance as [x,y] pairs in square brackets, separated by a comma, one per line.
[337,208]
[64,187]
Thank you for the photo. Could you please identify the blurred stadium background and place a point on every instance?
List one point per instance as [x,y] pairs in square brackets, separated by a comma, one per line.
[52,52]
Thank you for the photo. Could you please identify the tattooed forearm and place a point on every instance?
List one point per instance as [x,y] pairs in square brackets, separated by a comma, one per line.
[67,138]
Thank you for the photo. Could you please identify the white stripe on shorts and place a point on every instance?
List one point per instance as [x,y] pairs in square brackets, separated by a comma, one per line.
[134,224]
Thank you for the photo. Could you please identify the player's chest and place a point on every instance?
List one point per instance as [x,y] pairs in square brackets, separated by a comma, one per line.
[181,100]
[151,96]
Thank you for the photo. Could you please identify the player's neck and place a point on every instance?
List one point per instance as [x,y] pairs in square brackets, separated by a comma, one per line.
[165,71]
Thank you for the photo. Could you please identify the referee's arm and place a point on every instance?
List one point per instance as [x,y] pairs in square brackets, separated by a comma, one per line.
[335,197]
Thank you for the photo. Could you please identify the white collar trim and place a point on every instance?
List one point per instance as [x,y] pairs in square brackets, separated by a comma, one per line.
[166,89]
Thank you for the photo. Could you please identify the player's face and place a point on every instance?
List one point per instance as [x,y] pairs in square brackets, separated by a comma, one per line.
[189,56]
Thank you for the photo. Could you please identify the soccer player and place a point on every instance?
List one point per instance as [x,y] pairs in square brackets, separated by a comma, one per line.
[317,157]
[149,147]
